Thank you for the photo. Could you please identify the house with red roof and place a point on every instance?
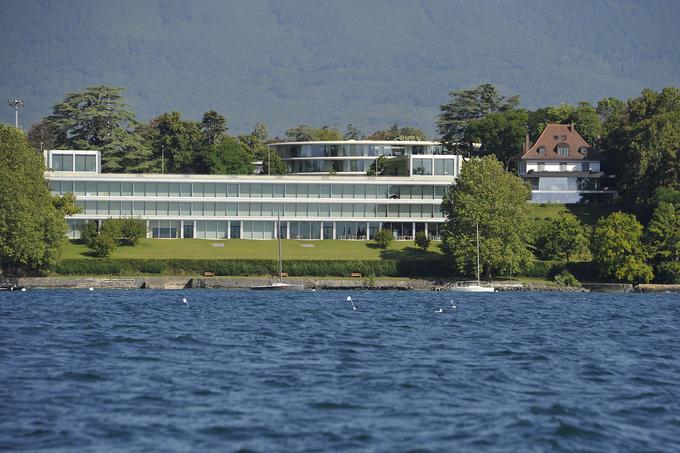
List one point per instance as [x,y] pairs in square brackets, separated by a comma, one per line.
[562,167]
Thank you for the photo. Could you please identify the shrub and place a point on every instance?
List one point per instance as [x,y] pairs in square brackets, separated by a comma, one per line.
[422,240]
[383,238]
[566,278]
[87,231]
[668,272]
[103,244]
[131,230]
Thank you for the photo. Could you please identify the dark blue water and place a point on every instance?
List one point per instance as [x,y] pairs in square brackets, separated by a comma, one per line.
[141,371]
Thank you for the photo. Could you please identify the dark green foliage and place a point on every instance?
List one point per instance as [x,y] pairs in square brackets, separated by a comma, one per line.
[566,278]
[352,133]
[103,244]
[88,231]
[422,240]
[500,134]
[176,143]
[618,251]
[213,127]
[31,227]
[562,238]
[400,134]
[97,118]
[468,105]
[383,238]
[305,133]
[663,232]
[496,200]
[312,268]
[668,272]
[228,158]
[377,168]
[131,230]
[584,116]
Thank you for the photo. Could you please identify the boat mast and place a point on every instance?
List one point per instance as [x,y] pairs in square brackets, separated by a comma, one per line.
[278,234]
[477,225]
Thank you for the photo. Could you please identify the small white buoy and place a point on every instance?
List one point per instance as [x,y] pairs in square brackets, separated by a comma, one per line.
[313,290]
[349,299]
[439,311]
[91,288]
[23,290]
[184,301]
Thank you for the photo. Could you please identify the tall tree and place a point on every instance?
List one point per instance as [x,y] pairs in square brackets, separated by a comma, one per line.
[42,136]
[618,250]
[31,227]
[406,133]
[663,232]
[584,116]
[496,200]
[353,133]
[177,144]
[272,163]
[214,127]
[467,105]
[562,238]
[97,118]
[644,147]
[500,134]
[305,133]
[260,132]
[227,158]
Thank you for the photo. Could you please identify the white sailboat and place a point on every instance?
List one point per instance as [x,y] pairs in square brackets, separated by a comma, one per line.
[472,287]
[280,285]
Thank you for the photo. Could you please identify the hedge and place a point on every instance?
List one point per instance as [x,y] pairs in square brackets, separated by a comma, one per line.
[582,270]
[316,268]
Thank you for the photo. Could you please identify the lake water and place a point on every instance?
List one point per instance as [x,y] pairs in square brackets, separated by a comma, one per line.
[303,371]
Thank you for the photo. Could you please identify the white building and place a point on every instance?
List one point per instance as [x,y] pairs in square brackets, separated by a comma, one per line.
[562,167]
[347,205]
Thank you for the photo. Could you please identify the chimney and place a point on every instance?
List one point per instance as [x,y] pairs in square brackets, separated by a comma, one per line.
[571,127]
[527,143]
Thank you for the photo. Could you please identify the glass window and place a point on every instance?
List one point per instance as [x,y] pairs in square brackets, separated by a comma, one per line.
[244,209]
[66,187]
[235,229]
[209,208]
[428,192]
[139,208]
[336,210]
[150,207]
[289,209]
[404,210]
[79,188]
[114,188]
[173,208]
[256,209]
[80,162]
[126,208]
[279,190]
[198,189]
[359,210]
[103,207]
[381,210]
[232,209]
[324,191]
[220,209]
[267,209]
[324,210]
[173,189]
[197,208]
[256,190]
[439,191]
[162,208]
[422,166]
[369,210]
[185,208]
[267,190]
[185,189]
[162,188]
[300,209]
[347,210]
[91,188]
[347,191]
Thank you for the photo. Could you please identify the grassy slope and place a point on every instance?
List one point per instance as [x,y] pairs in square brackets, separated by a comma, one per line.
[245,249]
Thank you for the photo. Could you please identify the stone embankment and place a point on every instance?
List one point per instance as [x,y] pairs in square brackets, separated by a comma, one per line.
[174,282]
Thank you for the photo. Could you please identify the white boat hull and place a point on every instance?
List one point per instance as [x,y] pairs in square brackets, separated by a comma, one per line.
[473,289]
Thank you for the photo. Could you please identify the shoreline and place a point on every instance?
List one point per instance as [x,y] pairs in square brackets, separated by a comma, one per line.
[329,283]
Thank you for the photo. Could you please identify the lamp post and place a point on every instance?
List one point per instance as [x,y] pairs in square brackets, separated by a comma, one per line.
[17,104]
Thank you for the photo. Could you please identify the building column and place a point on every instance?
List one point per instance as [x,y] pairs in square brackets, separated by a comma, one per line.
[321,235]
[334,232]
[288,229]
[413,230]
[368,231]
[228,229]
[427,230]
[148,232]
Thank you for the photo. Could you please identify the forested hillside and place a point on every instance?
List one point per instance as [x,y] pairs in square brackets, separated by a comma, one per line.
[372,63]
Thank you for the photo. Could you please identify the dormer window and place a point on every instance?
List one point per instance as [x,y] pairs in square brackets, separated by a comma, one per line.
[563,149]
[583,150]
[556,137]
[541,150]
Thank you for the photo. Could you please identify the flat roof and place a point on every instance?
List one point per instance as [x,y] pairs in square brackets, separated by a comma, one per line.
[361,142]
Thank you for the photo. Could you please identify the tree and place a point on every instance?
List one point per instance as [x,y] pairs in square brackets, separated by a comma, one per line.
[42,135]
[466,105]
[377,167]
[562,238]
[422,240]
[260,132]
[31,228]
[383,238]
[352,133]
[97,118]
[488,196]
[406,133]
[228,158]
[305,133]
[644,147]
[584,116]
[131,230]
[618,250]
[500,134]
[213,127]
[663,232]
[272,163]
[177,144]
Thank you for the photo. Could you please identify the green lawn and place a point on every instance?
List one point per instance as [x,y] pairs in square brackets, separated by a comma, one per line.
[245,249]
[587,214]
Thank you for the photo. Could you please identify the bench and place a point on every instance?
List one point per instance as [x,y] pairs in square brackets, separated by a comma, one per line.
[208,274]
[356,274]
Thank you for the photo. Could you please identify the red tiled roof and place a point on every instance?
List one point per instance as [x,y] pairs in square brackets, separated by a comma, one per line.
[560,134]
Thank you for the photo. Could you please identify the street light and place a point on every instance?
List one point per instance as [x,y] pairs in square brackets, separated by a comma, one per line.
[17,104]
